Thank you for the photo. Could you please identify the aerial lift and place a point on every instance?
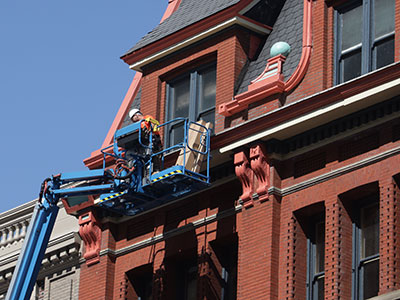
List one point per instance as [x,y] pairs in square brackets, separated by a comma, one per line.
[128,188]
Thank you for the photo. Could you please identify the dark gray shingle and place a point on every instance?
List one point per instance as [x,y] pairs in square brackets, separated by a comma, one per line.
[188,12]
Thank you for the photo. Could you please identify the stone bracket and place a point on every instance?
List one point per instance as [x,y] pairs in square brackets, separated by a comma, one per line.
[253,173]
[260,167]
[245,175]
[90,232]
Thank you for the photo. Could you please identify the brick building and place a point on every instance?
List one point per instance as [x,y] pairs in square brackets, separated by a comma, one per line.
[304,98]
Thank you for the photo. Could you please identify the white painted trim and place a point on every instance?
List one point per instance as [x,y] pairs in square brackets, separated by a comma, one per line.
[202,35]
[310,118]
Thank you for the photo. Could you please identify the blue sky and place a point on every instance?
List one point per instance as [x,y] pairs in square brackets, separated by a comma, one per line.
[61,83]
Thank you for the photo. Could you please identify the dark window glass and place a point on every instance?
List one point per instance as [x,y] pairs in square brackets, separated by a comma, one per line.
[316,262]
[384,53]
[369,231]
[178,107]
[371,279]
[185,280]
[366,249]
[384,17]
[320,247]
[351,22]
[351,65]
[180,98]
[320,288]
[206,96]
[192,97]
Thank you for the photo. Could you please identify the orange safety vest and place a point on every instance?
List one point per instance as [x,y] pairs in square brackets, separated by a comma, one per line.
[149,123]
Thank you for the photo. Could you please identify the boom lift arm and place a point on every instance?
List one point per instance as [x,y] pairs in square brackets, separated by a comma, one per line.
[129,188]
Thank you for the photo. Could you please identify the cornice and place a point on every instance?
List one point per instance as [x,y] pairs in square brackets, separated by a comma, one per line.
[313,103]
[341,128]
[16,212]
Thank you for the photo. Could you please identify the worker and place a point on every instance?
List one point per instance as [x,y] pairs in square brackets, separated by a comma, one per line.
[149,125]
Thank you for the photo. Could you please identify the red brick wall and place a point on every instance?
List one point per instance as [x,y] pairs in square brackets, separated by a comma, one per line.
[338,194]
[258,230]
[271,237]
[397,31]
[389,232]
[97,281]
[107,279]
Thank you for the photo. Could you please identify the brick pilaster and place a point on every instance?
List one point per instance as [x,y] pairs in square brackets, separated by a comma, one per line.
[289,255]
[97,281]
[259,251]
[389,271]
[338,254]
[158,256]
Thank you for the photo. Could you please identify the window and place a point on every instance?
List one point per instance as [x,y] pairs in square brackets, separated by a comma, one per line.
[366,253]
[365,37]
[185,280]
[140,283]
[190,96]
[222,273]
[316,262]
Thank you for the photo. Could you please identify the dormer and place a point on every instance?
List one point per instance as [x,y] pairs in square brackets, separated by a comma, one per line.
[194,60]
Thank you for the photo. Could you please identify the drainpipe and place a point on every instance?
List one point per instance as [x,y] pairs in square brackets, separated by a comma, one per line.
[265,86]
[301,69]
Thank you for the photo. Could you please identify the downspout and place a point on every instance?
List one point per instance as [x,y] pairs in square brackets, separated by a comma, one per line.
[302,67]
[261,89]
[133,88]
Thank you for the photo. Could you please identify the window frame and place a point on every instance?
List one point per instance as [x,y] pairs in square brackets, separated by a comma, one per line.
[359,263]
[312,275]
[194,96]
[368,42]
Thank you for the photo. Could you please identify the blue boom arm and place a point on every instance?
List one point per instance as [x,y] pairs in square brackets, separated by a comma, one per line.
[41,226]
[32,252]
[127,189]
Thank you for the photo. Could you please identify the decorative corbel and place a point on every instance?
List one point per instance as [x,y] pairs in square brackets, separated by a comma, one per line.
[90,232]
[245,175]
[260,167]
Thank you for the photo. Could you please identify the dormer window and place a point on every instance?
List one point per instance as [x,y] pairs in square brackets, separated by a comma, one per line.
[365,37]
[191,96]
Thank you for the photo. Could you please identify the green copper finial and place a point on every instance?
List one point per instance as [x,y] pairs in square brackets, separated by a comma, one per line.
[282,48]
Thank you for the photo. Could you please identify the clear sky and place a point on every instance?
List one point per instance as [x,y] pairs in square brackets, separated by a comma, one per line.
[61,83]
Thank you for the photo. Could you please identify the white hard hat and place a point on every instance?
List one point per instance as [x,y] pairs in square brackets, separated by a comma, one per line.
[133,112]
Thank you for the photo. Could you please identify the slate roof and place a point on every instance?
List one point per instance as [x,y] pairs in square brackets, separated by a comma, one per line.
[287,28]
[188,13]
